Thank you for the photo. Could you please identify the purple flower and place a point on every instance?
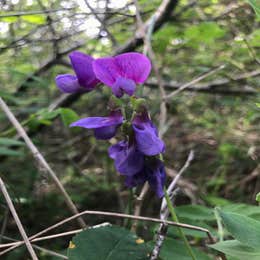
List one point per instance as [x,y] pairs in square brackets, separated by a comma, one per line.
[85,79]
[146,135]
[153,172]
[123,72]
[104,127]
[128,160]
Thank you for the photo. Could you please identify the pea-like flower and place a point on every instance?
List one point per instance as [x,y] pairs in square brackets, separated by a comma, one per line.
[104,127]
[122,72]
[128,160]
[146,135]
[84,80]
[153,172]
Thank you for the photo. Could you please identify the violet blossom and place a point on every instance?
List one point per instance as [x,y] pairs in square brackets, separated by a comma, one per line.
[104,127]
[146,135]
[123,72]
[84,80]
[128,160]
[153,172]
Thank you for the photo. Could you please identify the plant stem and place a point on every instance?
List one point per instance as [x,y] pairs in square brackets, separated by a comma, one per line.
[175,219]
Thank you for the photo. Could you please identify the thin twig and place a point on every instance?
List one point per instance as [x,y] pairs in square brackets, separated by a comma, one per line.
[17,220]
[177,177]
[113,214]
[174,93]
[102,23]
[50,252]
[5,220]
[40,159]
[72,232]
[18,243]
[138,205]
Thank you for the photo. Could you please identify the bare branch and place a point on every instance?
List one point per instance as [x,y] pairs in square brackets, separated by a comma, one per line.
[17,220]
[138,205]
[50,252]
[113,214]
[196,80]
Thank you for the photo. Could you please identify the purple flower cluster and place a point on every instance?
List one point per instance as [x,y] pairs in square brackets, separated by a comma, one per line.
[136,157]
[121,73]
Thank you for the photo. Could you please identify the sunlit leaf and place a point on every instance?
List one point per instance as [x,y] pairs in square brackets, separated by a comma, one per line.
[10,19]
[35,18]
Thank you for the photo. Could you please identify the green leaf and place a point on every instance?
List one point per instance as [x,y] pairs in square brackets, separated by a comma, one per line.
[258,197]
[254,38]
[173,231]
[236,249]
[34,18]
[47,115]
[10,19]
[175,249]
[195,212]
[68,116]
[243,209]
[9,152]
[106,243]
[216,201]
[9,142]
[256,6]
[244,229]
[258,105]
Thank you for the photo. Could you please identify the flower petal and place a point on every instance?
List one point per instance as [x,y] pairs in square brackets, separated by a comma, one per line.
[106,132]
[156,176]
[133,65]
[68,83]
[104,127]
[106,70]
[82,65]
[147,140]
[128,160]
[99,122]
[135,180]
[123,85]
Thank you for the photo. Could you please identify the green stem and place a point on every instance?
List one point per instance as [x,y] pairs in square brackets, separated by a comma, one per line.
[175,219]
[129,209]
